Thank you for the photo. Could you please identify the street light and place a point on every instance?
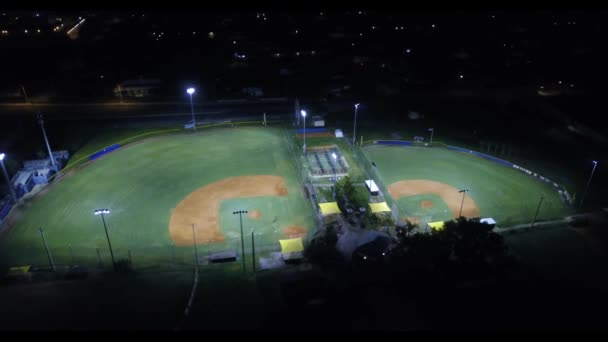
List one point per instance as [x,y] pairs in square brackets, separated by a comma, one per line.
[303,112]
[588,182]
[240,213]
[102,212]
[463,191]
[355,124]
[191,91]
[8,180]
[333,155]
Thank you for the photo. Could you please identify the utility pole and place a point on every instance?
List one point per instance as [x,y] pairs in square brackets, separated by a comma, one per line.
[46,140]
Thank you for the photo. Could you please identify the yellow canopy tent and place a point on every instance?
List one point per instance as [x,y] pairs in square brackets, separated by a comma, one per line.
[291,245]
[291,249]
[329,208]
[379,207]
[437,225]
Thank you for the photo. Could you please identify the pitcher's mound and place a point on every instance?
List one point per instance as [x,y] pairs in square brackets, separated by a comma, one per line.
[426,204]
[295,232]
[254,214]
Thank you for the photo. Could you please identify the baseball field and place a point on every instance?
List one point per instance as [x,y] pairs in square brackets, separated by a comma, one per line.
[157,190]
[425,184]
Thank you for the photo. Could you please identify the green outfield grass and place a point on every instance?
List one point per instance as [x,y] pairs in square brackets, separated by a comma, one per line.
[141,184]
[503,193]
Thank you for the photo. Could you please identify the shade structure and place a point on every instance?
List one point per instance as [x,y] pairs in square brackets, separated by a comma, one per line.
[379,207]
[329,208]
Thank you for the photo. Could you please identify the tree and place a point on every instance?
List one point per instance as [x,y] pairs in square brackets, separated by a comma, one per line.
[322,249]
[345,188]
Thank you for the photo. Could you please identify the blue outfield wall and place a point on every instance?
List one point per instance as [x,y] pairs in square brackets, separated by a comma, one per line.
[482,155]
[104,151]
[311,130]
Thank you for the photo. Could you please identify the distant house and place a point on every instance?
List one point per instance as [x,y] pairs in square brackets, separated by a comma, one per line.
[138,88]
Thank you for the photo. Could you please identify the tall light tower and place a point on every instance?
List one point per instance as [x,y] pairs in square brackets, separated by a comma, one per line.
[240,213]
[46,140]
[191,91]
[463,191]
[102,212]
[303,112]
[8,180]
[355,124]
[588,183]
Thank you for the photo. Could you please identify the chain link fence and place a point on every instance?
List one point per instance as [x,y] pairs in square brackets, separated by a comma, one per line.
[251,250]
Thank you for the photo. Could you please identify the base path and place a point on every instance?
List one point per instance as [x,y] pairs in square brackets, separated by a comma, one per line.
[448,194]
[202,207]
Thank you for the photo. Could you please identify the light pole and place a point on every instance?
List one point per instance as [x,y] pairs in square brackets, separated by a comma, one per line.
[333,155]
[355,123]
[46,140]
[537,210]
[253,250]
[303,112]
[191,91]
[463,191]
[102,212]
[240,213]
[431,130]
[8,180]
[48,252]
[588,182]
[194,243]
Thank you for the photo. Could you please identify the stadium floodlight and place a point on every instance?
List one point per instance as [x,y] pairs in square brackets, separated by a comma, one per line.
[355,123]
[303,112]
[191,91]
[240,213]
[463,191]
[588,183]
[103,212]
[8,180]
